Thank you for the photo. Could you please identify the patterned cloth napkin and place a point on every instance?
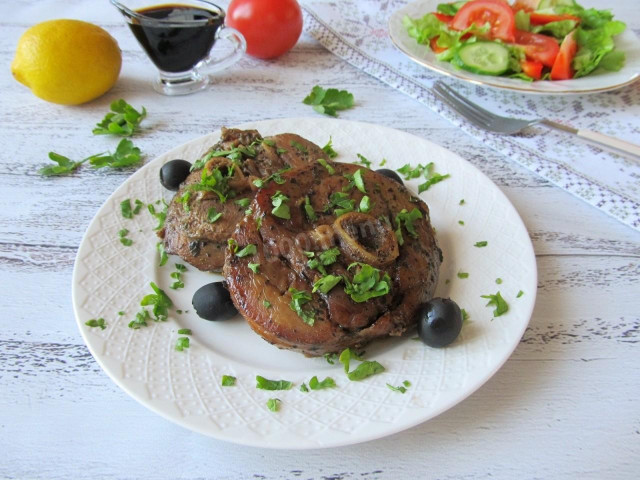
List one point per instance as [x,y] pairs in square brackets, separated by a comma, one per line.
[356,30]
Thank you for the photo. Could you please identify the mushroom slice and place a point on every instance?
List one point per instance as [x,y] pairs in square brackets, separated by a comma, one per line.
[366,239]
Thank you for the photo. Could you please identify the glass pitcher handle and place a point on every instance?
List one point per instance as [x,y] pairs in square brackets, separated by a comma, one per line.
[239,47]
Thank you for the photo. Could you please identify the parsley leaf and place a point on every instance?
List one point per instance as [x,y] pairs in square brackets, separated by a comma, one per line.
[366,284]
[242,202]
[315,384]
[280,205]
[364,370]
[182,343]
[308,209]
[463,275]
[273,404]
[497,301]
[322,259]
[345,358]
[255,267]
[483,243]
[159,216]
[127,242]
[266,303]
[365,204]
[359,181]
[520,293]
[341,200]
[299,147]
[407,218]
[328,149]
[363,160]
[163,254]
[141,319]
[228,381]
[432,180]
[276,177]
[246,251]
[425,171]
[298,299]
[265,384]
[184,331]
[212,215]
[303,388]
[63,167]
[124,156]
[326,165]
[465,315]
[331,358]
[96,323]
[233,245]
[400,389]
[328,101]
[160,301]
[326,283]
[125,208]
[123,120]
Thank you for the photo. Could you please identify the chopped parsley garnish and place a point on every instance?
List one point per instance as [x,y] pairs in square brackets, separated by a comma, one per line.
[163,254]
[480,244]
[246,251]
[326,165]
[160,301]
[365,204]
[141,319]
[299,147]
[359,181]
[228,381]
[520,293]
[182,343]
[298,299]
[268,141]
[159,216]
[233,245]
[184,331]
[406,218]
[180,267]
[273,404]
[315,384]
[265,384]
[406,383]
[465,315]
[308,210]
[124,156]
[460,222]
[127,242]
[121,313]
[425,171]
[400,389]
[280,204]
[235,155]
[322,259]
[410,172]
[328,101]
[258,223]
[266,303]
[254,267]
[177,276]
[281,151]
[96,323]
[243,202]
[432,180]
[212,215]
[345,358]
[275,177]
[125,208]
[498,302]
[498,281]
[463,275]
[215,181]
[367,283]
[326,283]
[383,162]
[364,370]
[341,203]
[461,202]
[331,358]
[122,120]
[328,149]
[303,388]
[363,160]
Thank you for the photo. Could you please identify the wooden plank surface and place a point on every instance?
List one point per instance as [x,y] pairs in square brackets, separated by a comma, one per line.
[565,406]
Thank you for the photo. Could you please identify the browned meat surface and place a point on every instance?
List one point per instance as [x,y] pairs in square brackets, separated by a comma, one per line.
[406,260]
[188,231]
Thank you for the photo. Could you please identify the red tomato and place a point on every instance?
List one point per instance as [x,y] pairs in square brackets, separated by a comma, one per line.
[443,18]
[533,68]
[562,68]
[538,47]
[271,27]
[543,19]
[435,47]
[497,12]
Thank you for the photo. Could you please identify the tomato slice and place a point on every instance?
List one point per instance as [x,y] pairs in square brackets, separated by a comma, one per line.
[533,68]
[543,18]
[538,47]
[562,68]
[443,18]
[433,43]
[496,12]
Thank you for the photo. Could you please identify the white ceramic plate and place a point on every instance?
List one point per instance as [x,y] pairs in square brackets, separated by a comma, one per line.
[597,82]
[185,386]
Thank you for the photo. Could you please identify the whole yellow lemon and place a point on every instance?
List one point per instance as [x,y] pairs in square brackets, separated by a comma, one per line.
[67,61]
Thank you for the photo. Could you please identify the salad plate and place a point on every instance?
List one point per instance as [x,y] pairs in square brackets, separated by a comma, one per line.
[598,81]
[110,279]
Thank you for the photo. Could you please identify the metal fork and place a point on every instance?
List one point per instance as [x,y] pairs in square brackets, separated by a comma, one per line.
[487,120]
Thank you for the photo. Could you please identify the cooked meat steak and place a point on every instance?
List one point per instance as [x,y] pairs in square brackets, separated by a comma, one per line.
[192,229]
[343,255]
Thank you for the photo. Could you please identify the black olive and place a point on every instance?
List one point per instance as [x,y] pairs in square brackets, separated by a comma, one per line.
[390,174]
[213,302]
[173,173]
[439,322]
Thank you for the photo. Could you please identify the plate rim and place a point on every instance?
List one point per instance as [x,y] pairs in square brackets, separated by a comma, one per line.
[477,80]
[391,428]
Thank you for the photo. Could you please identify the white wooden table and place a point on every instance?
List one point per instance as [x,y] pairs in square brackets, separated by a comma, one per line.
[566,405]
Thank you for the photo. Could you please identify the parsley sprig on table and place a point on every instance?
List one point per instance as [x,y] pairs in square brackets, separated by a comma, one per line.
[123,120]
[329,101]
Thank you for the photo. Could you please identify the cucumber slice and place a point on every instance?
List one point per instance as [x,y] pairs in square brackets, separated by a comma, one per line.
[485,58]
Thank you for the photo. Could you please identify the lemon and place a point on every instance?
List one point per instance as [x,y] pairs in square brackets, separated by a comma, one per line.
[67,61]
